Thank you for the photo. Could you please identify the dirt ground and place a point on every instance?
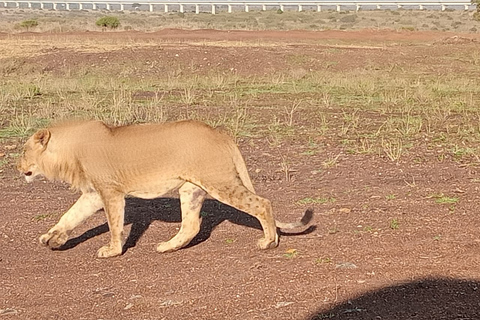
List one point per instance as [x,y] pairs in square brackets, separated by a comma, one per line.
[365,256]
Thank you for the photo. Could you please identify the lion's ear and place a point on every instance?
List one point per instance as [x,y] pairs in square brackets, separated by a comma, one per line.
[42,136]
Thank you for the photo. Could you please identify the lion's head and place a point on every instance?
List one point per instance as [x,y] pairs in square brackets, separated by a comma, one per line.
[33,150]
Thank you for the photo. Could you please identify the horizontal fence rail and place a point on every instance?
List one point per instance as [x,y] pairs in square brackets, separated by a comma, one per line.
[200,6]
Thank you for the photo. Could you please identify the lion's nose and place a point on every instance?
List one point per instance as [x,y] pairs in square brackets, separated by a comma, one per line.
[28,174]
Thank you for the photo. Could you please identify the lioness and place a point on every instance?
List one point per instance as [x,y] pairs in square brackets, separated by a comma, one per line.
[146,161]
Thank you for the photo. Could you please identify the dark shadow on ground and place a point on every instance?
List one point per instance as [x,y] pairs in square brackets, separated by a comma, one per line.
[141,213]
[426,299]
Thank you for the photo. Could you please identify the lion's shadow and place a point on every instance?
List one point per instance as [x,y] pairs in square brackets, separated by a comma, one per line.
[140,213]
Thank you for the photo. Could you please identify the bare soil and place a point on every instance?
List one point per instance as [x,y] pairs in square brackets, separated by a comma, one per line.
[366,255]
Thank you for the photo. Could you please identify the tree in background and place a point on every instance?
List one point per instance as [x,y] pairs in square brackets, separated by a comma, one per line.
[28,24]
[108,22]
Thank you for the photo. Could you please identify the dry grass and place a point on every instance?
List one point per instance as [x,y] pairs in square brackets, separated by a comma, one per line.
[50,21]
[376,108]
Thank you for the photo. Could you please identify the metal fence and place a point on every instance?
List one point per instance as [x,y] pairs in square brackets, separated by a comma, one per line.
[230,6]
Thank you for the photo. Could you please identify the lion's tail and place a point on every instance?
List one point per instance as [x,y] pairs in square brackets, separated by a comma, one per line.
[242,170]
[247,182]
[307,217]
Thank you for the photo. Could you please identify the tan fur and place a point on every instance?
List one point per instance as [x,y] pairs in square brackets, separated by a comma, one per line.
[107,163]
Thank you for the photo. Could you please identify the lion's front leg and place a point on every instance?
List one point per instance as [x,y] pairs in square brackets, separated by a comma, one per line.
[115,211]
[86,205]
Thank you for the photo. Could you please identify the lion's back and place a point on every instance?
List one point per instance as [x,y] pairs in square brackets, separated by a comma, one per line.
[136,155]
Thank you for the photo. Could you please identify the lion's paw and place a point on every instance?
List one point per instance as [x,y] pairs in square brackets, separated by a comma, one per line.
[53,239]
[163,247]
[267,244]
[109,251]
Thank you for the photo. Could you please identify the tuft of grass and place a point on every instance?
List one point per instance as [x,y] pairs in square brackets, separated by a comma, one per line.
[44,216]
[188,96]
[308,153]
[323,260]
[316,200]
[460,152]
[229,241]
[334,230]
[291,253]
[22,126]
[394,224]
[330,162]
[446,199]
[443,199]
[3,163]
[390,196]
[287,168]
[393,148]
[290,112]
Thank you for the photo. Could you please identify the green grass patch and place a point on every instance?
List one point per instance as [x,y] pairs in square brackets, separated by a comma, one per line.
[444,199]
[323,260]
[44,216]
[316,200]
[394,224]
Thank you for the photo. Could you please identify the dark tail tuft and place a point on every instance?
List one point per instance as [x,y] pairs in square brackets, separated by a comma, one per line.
[307,217]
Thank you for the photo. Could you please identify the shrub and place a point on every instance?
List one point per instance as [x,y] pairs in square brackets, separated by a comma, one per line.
[108,22]
[476,15]
[27,24]
[350,18]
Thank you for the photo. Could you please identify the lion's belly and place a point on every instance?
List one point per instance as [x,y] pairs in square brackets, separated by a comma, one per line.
[154,189]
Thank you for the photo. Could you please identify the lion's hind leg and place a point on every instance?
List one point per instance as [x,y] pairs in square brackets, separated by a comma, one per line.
[191,200]
[239,197]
